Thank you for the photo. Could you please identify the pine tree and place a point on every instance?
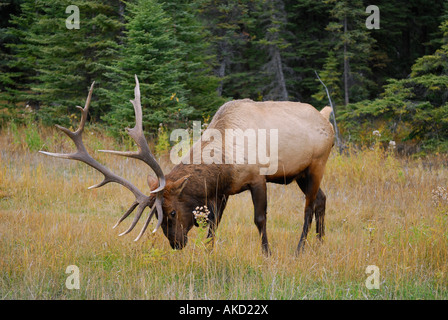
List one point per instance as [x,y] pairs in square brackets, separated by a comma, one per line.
[197,62]
[331,76]
[8,87]
[151,51]
[274,42]
[307,20]
[58,64]
[18,59]
[408,30]
[415,108]
[352,45]
[231,26]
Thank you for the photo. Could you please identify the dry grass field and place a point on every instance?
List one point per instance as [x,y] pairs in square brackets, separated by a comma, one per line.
[381,210]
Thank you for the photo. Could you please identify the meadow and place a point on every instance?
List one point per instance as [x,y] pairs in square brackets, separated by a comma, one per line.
[382,210]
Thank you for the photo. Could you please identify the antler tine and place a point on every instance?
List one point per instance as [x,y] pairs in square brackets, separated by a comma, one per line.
[158,207]
[142,201]
[140,209]
[146,223]
[127,213]
[81,153]
[136,133]
[85,110]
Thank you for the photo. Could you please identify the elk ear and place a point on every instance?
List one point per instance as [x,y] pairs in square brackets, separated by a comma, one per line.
[179,184]
[153,183]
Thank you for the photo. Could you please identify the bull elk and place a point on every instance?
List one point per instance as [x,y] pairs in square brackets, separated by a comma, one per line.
[305,138]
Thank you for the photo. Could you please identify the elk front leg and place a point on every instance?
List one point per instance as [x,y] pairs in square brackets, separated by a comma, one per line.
[259,198]
[215,218]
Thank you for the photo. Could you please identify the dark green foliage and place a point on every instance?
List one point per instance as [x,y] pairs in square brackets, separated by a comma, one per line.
[151,51]
[415,108]
[310,46]
[197,62]
[162,45]
[56,65]
[231,29]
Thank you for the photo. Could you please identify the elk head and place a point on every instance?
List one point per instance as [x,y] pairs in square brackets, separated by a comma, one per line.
[164,197]
[177,207]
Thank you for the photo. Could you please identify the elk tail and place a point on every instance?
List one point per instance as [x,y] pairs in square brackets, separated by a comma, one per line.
[326,112]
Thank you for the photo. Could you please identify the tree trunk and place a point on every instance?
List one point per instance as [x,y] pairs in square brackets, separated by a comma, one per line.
[346,65]
[277,59]
[275,66]
[222,66]
[121,10]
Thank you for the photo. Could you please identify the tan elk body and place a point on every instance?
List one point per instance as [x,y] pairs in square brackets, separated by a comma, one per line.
[304,138]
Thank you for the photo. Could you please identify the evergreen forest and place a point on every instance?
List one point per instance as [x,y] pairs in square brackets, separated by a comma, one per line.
[193,56]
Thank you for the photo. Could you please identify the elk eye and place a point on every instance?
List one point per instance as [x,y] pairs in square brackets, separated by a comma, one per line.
[173,213]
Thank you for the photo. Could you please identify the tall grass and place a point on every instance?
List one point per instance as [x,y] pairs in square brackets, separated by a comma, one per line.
[381,210]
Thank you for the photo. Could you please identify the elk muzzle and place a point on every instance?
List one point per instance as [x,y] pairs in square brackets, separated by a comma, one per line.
[177,236]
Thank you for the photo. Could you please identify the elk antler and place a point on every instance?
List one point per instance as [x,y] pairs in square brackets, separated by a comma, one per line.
[144,154]
[136,133]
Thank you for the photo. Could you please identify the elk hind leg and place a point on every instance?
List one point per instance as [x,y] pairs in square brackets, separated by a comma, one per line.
[319,213]
[309,184]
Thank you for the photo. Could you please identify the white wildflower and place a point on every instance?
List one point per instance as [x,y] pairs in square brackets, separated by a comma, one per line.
[439,196]
[201,214]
